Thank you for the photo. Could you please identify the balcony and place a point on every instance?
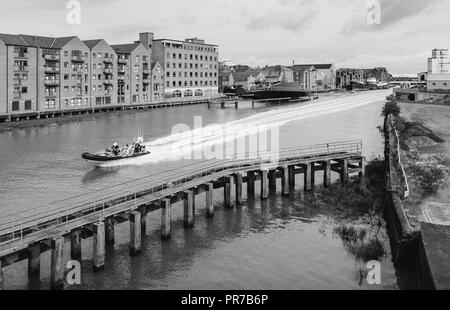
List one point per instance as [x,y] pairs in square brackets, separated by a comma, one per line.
[51,95]
[122,60]
[51,69]
[146,81]
[22,55]
[50,57]
[77,58]
[17,96]
[51,82]
[78,69]
[108,60]
[21,69]
[108,82]
[17,82]
[146,71]
[108,70]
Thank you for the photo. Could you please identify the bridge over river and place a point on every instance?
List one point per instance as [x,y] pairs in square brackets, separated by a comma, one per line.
[25,235]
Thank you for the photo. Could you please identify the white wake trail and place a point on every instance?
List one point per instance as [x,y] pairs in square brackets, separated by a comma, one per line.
[182,144]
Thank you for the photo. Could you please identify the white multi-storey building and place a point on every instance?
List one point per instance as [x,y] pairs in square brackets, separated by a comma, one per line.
[438,75]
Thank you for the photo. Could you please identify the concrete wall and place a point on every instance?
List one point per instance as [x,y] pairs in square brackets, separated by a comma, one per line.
[403,238]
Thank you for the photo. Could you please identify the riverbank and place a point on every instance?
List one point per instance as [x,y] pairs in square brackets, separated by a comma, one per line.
[418,177]
[38,119]
[425,142]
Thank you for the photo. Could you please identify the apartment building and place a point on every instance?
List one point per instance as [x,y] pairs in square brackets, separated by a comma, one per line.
[191,67]
[134,73]
[103,73]
[41,74]
[44,75]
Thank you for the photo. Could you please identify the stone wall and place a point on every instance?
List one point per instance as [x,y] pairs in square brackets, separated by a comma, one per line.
[403,237]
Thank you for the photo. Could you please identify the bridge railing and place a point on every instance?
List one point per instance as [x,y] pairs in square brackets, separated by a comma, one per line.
[18,224]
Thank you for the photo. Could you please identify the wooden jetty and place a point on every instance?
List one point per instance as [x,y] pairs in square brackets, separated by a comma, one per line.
[26,235]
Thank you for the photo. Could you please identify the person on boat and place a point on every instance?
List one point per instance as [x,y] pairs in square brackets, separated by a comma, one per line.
[115,149]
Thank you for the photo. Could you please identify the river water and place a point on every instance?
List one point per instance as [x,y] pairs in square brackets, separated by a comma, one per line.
[262,245]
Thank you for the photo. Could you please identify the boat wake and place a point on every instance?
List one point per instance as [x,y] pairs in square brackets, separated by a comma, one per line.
[183,144]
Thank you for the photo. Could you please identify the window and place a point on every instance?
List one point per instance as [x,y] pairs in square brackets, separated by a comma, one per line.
[66,77]
[28,105]
[24,90]
[137,58]
[66,53]
[15,105]
[136,68]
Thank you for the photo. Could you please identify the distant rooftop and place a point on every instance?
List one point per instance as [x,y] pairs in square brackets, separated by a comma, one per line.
[191,40]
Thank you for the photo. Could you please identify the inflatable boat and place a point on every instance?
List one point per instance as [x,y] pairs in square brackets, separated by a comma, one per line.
[136,149]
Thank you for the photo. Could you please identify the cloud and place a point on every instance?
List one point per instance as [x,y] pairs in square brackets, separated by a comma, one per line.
[284,14]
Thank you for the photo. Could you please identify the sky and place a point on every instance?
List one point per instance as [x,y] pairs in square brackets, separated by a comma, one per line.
[257,32]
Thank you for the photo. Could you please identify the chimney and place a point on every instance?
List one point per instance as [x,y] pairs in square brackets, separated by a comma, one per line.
[146,39]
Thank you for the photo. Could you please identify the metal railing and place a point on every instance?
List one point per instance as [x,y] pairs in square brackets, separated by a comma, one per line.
[16,226]
[405,179]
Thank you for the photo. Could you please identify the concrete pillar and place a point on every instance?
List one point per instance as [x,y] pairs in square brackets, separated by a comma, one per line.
[327,173]
[229,192]
[264,191]
[238,188]
[135,233]
[143,211]
[344,171]
[2,282]
[75,245]
[313,175]
[250,182]
[99,246]
[362,167]
[34,260]
[166,219]
[291,171]
[307,177]
[272,175]
[109,230]
[285,181]
[57,264]
[209,200]
[189,208]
